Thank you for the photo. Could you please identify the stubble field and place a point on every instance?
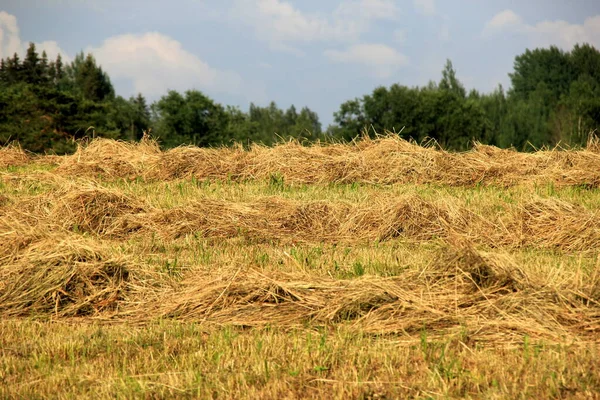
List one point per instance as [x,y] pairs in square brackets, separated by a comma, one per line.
[376,269]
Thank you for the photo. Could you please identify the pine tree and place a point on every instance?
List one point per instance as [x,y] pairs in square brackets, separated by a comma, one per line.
[291,115]
[31,67]
[43,69]
[142,107]
[86,79]
[59,72]
[3,72]
[14,69]
[52,73]
[140,116]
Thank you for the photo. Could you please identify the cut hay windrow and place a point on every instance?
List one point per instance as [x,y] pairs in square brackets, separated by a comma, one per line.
[542,223]
[111,158]
[68,245]
[487,295]
[550,224]
[97,210]
[273,218]
[484,296]
[385,160]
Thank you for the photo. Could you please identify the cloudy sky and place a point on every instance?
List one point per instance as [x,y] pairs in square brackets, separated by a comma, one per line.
[304,52]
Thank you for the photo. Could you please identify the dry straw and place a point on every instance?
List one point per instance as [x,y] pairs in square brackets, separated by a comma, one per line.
[485,295]
[109,212]
[384,160]
[13,156]
[481,296]
[59,255]
[67,277]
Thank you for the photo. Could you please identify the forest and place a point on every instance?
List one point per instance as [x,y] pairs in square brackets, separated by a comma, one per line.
[554,99]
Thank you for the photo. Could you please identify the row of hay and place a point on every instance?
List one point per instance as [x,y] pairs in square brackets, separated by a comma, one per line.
[386,160]
[541,223]
[485,297]
[481,296]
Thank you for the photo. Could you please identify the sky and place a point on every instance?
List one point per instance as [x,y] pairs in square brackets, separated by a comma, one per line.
[313,53]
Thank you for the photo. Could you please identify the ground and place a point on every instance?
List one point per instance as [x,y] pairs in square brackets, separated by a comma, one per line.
[377,269]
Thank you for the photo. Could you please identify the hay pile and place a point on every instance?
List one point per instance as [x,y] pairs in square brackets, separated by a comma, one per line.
[112,159]
[97,210]
[13,156]
[61,274]
[68,277]
[385,160]
[487,295]
[553,223]
[112,214]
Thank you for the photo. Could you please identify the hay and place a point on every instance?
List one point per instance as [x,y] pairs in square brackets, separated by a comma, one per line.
[480,270]
[86,207]
[97,210]
[60,250]
[111,159]
[13,156]
[274,218]
[553,223]
[47,270]
[385,160]
[71,277]
[187,161]
[550,224]
[486,294]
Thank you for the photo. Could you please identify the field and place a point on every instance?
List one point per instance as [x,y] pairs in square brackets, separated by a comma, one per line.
[376,269]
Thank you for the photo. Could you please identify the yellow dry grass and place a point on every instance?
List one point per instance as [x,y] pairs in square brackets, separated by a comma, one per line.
[385,160]
[378,239]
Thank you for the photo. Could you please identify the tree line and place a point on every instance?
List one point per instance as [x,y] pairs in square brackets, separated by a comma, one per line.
[46,105]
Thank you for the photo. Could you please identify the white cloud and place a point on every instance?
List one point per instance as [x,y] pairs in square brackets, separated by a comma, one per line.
[155,63]
[279,23]
[152,61]
[425,7]
[564,34]
[381,59]
[283,26]
[10,40]
[559,33]
[506,19]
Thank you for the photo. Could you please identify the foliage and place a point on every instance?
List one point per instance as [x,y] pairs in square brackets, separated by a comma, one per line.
[439,111]
[553,99]
[47,105]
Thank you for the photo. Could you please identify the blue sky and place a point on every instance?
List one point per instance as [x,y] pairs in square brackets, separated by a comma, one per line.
[308,53]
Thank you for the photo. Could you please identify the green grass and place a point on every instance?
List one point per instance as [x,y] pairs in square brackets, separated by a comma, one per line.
[186,360]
